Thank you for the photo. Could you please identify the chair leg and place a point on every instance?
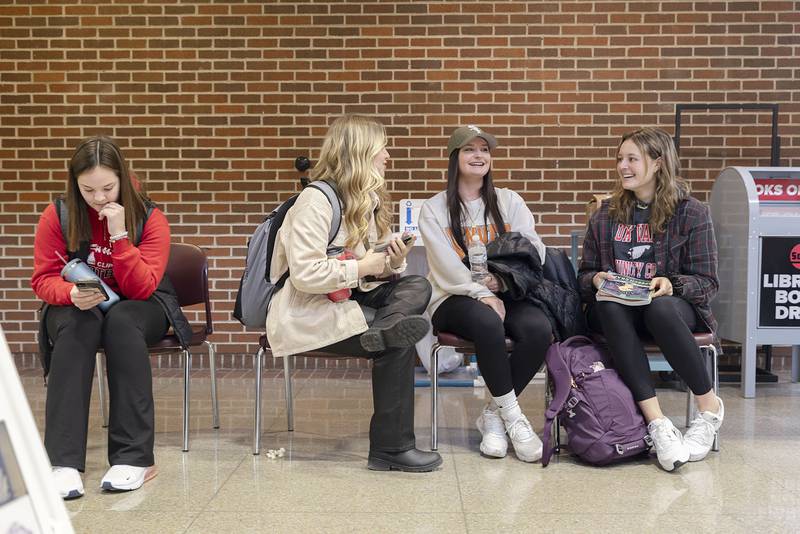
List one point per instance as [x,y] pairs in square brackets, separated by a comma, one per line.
[100,367]
[287,371]
[715,384]
[187,368]
[691,410]
[548,396]
[212,363]
[434,372]
[257,422]
[557,434]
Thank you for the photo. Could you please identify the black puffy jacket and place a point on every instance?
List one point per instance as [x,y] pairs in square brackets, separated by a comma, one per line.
[554,289]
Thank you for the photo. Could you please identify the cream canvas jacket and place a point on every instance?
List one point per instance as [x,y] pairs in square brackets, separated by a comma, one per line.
[300,317]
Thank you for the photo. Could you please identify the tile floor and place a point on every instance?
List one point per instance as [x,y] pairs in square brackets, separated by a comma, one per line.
[322,484]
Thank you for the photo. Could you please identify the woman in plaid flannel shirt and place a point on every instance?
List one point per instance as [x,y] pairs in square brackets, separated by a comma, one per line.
[652,229]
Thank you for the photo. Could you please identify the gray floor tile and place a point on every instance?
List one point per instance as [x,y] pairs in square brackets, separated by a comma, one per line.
[322,484]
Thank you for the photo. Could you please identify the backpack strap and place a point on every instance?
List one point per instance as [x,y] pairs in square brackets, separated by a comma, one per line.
[63,219]
[328,187]
[561,381]
[331,192]
[83,246]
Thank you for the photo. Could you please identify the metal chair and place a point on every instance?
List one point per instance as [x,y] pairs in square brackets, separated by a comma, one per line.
[188,271]
[461,346]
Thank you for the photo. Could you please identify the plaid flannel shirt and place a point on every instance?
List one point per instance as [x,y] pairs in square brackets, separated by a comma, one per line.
[686,253]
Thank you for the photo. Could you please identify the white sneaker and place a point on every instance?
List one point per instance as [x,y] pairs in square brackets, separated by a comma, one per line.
[68,482]
[127,477]
[526,443]
[672,452]
[700,436]
[491,427]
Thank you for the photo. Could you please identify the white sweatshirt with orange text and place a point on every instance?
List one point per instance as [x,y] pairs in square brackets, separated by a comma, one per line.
[448,274]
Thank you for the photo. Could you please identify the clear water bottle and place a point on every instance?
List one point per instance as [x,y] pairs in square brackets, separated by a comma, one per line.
[477,260]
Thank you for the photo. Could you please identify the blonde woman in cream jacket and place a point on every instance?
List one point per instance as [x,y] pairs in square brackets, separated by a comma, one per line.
[302,317]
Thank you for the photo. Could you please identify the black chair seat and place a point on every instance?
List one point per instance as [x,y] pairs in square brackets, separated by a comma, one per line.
[309,353]
[170,341]
[448,339]
[702,339]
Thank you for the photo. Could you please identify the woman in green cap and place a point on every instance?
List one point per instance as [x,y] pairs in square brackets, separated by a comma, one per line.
[474,305]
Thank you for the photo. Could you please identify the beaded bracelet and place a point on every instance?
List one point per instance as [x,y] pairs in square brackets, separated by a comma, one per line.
[117,237]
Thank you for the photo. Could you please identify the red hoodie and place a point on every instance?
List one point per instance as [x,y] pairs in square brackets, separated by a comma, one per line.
[132,272]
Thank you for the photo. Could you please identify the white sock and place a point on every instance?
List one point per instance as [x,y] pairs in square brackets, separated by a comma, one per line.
[492,406]
[509,407]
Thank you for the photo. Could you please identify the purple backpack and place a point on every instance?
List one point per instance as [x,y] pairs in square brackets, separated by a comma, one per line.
[596,408]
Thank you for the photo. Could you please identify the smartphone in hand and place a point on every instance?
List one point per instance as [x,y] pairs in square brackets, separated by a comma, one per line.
[407,239]
[92,284]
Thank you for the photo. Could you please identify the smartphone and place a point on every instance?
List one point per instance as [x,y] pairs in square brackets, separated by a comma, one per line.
[92,284]
[407,239]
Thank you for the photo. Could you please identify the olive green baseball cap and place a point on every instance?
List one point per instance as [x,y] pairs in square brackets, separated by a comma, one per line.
[463,135]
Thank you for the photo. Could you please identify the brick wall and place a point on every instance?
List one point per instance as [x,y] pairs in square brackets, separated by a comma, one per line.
[212,101]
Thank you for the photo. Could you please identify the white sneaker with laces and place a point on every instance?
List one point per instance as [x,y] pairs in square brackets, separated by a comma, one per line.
[672,452]
[527,444]
[700,436]
[491,427]
[68,482]
[127,477]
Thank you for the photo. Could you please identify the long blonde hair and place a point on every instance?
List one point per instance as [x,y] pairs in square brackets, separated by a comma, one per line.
[347,158]
[670,187]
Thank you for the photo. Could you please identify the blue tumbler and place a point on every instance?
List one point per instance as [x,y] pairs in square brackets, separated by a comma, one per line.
[77,270]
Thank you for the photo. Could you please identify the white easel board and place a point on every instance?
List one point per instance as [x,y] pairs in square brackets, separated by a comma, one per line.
[29,501]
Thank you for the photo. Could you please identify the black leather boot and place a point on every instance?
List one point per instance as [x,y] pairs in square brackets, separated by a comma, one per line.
[410,461]
[402,333]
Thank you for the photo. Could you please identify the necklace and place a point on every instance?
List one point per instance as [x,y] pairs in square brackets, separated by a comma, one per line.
[641,205]
[469,215]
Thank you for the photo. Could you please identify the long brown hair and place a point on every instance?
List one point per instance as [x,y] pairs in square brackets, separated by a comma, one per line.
[347,158]
[670,187]
[100,151]
[455,204]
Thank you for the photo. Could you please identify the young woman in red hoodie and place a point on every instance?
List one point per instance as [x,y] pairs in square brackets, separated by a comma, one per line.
[108,225]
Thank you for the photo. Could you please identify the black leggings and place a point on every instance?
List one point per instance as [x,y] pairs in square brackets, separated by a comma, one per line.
[124,333]
[670,321]
[525,323]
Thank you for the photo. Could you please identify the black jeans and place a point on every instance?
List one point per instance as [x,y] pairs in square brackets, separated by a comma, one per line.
[525,323]
[392,426]
[124,333]
[670,321]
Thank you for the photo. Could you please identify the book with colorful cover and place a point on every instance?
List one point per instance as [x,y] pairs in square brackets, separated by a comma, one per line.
[625,290]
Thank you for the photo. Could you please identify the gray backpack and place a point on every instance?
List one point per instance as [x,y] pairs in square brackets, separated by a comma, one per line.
[256,288]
